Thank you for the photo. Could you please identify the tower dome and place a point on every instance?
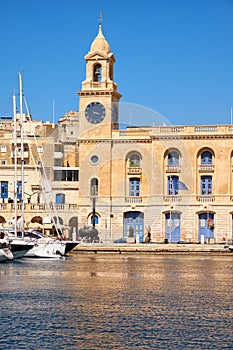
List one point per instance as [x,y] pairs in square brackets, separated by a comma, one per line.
[100,43]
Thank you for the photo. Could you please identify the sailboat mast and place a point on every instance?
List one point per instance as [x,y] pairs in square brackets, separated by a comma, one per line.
[15,165]
[22,149]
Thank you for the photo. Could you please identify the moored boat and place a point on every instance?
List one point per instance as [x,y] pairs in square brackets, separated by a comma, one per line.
[40,245]
[5,252]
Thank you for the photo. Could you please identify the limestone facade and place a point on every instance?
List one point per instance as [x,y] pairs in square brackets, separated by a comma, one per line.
[176,181]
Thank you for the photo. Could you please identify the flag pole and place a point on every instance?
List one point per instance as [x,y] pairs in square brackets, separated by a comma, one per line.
[170,187]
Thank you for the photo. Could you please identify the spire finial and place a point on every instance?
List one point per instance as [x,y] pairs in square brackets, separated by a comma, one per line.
[101,18]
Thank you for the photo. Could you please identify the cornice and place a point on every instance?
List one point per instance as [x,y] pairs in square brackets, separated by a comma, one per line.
[113,141]
[98,92]
[191,137]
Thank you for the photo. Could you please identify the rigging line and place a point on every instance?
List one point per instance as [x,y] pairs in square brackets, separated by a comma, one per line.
[44,181]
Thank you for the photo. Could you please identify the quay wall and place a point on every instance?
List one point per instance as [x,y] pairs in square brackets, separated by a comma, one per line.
[153,248]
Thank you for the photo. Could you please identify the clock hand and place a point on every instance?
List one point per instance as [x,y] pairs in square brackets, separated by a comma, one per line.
[95,112]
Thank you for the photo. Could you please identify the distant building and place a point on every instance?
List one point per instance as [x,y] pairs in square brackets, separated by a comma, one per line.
[176,180]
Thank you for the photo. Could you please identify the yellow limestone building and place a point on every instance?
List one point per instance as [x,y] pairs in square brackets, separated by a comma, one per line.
[176,181]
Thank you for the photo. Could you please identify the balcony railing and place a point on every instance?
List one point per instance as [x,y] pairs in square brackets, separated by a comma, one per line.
[207,198]
[173,168]
[134,171]
[41,207]
[133,199]
[172,198]
[205,168]
[18,154]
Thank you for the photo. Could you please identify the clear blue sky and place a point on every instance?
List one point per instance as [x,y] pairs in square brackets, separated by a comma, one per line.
[173,56]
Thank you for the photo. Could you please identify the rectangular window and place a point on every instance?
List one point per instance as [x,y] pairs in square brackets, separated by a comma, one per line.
[58,148]
[40,149]
[3,161]
[58,162]
[4,189]
[66,175]
[60,198]
[206,185]
[134,187]
[19,190]
[3,148]
[173,185]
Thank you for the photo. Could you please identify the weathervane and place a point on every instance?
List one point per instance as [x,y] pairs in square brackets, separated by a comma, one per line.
[101,18]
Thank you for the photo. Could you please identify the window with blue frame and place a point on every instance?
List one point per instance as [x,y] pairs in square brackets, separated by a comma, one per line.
[206,157]
[96,218]
[60,198]
[173,185]
[134,187]
[4,189]
[173,158]
[19,190]
[206,185]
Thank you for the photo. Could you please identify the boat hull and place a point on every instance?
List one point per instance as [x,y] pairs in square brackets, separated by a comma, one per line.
[70,245]
[5,254]
[19,249]
[51,249]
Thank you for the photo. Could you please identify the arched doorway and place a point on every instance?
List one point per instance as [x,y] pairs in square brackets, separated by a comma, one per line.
[206,226]
[172,227]
[134,225]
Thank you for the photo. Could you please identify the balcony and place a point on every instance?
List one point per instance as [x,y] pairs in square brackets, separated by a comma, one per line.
[38,207]
[172,198]
[19,155]
[134,171]
[58,155]
[205,199]
[206,168]
[173,168]
[133,199]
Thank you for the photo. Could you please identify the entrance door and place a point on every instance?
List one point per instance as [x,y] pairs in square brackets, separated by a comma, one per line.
[206,226]
[134,225]
[173,227]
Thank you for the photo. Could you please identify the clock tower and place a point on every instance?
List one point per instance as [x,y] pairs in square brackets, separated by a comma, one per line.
[99,98]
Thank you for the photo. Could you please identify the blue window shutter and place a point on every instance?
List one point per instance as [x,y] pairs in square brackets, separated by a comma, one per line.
[134,187]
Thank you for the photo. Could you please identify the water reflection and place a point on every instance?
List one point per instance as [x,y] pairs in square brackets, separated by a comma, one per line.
[110,301]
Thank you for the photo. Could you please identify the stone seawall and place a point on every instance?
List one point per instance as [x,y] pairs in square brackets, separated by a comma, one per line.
[154,248]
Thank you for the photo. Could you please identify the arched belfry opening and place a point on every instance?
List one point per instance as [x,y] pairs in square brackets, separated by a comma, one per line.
[97,73]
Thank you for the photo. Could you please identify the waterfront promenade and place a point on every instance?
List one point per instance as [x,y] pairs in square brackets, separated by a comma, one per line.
[153,248]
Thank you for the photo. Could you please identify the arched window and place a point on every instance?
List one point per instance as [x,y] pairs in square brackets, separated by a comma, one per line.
[96,218]
[111,72]
[173,158]
[97,73]
[94,187]
[134,161]
[206,157]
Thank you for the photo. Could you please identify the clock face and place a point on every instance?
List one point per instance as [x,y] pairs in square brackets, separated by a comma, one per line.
[95,112]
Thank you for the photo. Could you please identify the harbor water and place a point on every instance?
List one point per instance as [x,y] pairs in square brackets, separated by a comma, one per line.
[118,301]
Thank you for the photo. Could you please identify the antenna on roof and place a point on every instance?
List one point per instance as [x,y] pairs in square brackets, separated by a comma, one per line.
[101,18]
